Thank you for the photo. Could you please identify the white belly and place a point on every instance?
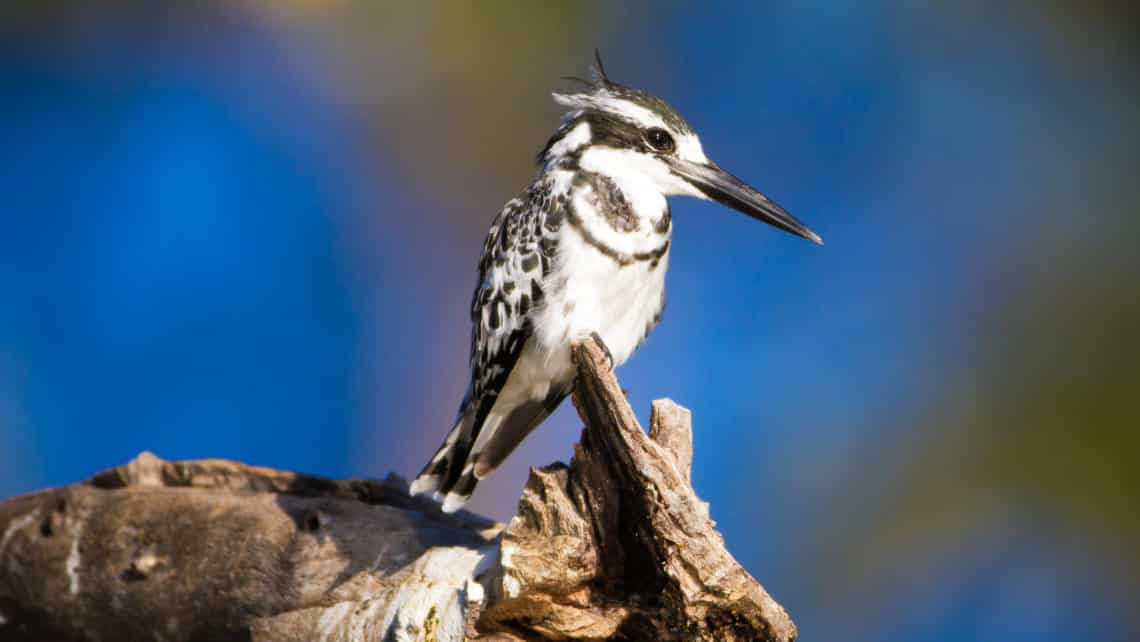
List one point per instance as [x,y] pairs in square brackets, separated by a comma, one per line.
[590,292]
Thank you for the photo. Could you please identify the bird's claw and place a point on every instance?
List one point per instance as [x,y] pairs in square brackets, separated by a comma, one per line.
[609,355]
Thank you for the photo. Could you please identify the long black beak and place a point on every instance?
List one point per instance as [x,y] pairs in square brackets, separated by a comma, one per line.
[729,190]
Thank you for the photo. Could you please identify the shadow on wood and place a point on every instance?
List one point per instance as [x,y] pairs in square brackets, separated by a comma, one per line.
[614,546]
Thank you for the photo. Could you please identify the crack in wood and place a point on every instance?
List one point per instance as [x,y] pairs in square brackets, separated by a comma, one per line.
[615,545]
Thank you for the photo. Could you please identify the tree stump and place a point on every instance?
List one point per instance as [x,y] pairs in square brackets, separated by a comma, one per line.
[616,545]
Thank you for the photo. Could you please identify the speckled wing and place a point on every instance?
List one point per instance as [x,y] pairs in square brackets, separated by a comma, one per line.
[516,255]
[510,275]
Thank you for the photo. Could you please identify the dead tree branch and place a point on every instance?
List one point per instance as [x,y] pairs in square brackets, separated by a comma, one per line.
[614,546]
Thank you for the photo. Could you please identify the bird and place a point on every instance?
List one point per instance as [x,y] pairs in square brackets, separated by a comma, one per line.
[582,252]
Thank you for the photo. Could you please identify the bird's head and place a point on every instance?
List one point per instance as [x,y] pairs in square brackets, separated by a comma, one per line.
[635,138]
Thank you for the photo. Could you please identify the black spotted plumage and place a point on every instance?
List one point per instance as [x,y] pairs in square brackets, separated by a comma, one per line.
[523,278]
[518,244]
[510,272]
[582,252]
[516,276]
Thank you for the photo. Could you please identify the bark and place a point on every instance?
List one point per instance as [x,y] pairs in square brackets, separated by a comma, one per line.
[615,545]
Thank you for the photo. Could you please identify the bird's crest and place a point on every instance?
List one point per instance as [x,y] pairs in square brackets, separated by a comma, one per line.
[598,83]
[598,70]
[602,94]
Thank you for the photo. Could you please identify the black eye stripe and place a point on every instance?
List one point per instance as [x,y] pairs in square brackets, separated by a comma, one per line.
[659,140]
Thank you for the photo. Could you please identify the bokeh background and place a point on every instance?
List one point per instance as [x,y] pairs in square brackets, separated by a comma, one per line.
[249,230]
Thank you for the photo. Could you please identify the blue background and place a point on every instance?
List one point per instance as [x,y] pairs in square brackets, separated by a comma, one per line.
[249,230]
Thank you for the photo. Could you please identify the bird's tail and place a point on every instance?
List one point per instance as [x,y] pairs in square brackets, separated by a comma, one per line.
[483,436]
[449,477]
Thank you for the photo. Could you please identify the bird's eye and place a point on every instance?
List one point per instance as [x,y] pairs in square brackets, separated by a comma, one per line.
[659,139]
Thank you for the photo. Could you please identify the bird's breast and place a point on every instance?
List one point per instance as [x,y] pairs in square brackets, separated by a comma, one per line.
[618,294]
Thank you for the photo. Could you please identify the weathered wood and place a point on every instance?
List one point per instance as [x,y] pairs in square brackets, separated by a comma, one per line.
[614,546]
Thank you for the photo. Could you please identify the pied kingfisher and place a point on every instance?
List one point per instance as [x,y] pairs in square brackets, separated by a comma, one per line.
[582,252]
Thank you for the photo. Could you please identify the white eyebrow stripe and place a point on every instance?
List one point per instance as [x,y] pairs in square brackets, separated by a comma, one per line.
[632,111]
[627,109]
[688,145]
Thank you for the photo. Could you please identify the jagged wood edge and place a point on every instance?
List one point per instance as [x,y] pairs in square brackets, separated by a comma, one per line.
[615,545]
[618,544]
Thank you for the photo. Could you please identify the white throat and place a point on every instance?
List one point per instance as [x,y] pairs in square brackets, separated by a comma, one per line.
[634,174]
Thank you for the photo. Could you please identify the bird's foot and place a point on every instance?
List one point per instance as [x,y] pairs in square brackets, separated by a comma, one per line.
[609,355]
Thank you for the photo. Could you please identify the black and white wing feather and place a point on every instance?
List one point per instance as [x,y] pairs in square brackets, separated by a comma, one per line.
[516,255]
[508,285]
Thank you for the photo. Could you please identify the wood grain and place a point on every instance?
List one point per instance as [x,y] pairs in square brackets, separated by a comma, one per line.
[615,545]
